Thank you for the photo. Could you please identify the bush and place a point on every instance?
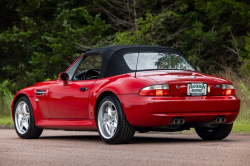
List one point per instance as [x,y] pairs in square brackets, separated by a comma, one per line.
[6,98]
[242,88]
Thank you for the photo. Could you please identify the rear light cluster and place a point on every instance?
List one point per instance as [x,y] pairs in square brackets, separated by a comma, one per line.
[163,90]
[155,90]
[227,90]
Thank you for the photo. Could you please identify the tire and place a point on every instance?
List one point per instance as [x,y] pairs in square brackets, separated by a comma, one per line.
[218,133]
[112,124]
[24,120]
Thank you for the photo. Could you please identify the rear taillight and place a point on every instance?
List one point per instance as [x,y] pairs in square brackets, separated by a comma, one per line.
[155,90]
[227,90]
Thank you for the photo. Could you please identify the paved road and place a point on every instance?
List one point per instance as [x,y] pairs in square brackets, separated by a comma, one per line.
[86,148]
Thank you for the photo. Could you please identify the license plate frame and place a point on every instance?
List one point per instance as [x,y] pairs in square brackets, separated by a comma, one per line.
[197,89]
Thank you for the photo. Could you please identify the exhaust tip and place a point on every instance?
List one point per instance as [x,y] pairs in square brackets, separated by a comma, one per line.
[182,121]
[177,121]
[218,119]
[223,119]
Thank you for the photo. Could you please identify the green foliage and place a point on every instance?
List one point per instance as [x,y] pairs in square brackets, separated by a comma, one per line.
[246,59]
[45,45]
[244,116]
[240,127]
[6,121]
[245,90]
[43,37]
[6,98]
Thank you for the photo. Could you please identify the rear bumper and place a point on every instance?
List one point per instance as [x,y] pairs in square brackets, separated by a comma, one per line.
[148,111]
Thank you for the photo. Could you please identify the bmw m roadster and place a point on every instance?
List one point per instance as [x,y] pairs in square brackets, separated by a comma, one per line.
[117,90]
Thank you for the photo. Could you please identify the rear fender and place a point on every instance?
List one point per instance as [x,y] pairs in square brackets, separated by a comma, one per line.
[117,85]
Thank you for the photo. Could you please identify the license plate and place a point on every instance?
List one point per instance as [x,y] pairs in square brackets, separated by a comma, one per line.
[196,89]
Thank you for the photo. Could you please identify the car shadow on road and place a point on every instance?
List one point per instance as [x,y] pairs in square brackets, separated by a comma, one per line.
[135,140]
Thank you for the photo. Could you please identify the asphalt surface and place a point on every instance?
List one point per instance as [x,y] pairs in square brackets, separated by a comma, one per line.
[86,148]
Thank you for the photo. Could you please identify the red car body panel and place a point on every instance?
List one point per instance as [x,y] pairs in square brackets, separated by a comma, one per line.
[68,102]
[66,124]
[148,111]
[41,107]
[66,107]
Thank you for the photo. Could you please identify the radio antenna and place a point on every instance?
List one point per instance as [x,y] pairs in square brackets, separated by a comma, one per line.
[137,60]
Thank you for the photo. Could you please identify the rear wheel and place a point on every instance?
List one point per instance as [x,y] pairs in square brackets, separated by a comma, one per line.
[218,133]
[24,120]
[113,126]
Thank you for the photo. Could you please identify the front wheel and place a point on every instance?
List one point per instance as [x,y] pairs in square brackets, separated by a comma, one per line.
[113,126]
[24,120]
[218,133]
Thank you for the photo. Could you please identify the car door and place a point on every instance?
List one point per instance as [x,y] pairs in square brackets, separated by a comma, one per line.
[71,101]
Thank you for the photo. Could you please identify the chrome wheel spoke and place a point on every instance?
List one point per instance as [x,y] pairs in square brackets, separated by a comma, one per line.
[20,116]
[104,123]
[115,124]
[113,131]
[110,129]
[114,113]
[21,123]
[27,116]
[25,124]
[19,109]
[25,109]
[105,117]
[109,111]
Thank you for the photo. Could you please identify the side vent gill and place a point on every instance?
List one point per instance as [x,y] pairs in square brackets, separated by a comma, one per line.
[41,92]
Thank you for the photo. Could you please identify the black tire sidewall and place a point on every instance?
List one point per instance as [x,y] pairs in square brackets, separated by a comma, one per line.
[218,133]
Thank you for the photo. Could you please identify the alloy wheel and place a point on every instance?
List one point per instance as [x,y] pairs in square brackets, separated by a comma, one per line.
[22,117]
[107,119]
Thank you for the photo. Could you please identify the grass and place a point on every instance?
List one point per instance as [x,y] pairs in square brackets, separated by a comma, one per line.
[6,121]
[240,127]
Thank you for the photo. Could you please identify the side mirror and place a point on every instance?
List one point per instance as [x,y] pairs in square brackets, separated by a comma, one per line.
[64,77]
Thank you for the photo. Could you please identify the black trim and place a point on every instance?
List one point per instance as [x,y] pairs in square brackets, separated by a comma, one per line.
[83,88]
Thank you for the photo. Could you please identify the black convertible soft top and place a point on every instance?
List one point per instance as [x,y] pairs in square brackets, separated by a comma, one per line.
[113,62]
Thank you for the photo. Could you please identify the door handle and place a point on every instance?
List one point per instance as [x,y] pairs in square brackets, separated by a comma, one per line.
[83,88]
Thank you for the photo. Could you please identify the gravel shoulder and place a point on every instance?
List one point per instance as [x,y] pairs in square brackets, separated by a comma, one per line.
[6,126]
[56,147]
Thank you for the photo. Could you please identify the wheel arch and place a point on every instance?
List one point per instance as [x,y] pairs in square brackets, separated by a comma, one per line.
[100,97]
[15,101]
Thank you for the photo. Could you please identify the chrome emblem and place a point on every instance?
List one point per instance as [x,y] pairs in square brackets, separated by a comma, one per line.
[177,86]
[193,76]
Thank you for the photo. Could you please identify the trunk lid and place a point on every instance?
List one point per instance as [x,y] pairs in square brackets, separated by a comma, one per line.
[178,80]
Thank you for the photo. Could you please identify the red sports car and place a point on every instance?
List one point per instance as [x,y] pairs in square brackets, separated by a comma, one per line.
[118,90]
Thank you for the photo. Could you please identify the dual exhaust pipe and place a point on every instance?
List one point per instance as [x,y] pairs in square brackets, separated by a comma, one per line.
[218,120]
[177,121]
[181,121]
